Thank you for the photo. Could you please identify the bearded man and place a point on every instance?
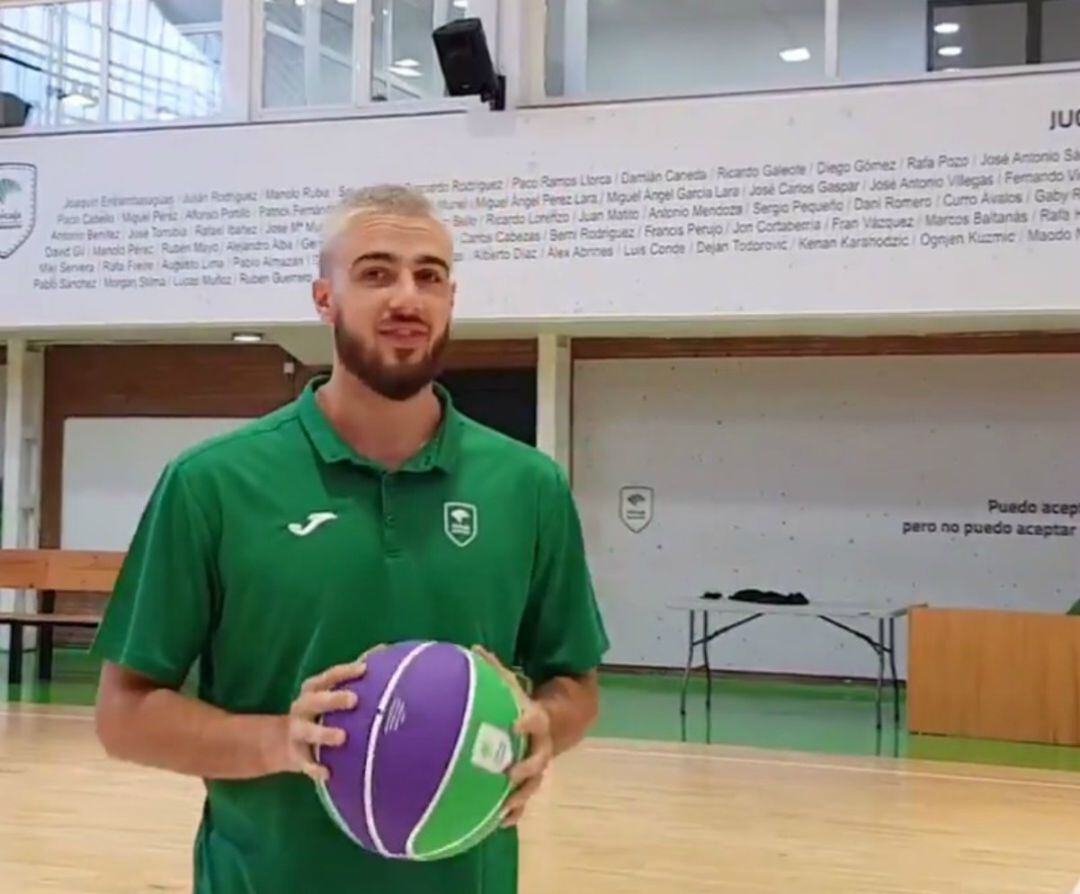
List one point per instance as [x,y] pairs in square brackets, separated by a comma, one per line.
[278,555]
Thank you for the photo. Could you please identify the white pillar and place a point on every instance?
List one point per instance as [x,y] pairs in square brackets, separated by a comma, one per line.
[238,45]
[553,395]
[24,398]
[312,14]
[832,39]
[520,50]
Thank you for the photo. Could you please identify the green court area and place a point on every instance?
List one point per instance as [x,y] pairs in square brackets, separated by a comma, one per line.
[824,718]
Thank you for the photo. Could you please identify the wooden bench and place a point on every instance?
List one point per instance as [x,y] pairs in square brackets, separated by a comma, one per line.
[48,572]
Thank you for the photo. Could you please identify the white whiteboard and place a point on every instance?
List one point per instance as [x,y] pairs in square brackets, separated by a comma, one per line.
[110,468]
[797,475]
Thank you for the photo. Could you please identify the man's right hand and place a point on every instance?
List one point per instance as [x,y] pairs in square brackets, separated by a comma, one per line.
[303,731]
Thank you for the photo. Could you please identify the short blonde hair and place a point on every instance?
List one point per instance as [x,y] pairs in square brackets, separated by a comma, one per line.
[385,198]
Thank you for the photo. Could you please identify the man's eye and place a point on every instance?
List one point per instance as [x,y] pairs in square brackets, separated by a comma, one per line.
[375,275]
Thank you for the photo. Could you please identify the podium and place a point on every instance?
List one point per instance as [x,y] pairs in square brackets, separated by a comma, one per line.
[991,674]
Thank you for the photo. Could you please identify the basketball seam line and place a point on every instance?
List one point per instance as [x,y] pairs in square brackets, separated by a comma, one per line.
[373,740]
[463,731]
[481,824]
[328,803]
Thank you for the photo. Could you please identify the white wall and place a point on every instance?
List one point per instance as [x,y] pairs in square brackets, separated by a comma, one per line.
[861,207]
[797,475]
[110,467]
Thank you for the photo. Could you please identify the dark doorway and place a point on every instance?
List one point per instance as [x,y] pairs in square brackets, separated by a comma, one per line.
[503,399]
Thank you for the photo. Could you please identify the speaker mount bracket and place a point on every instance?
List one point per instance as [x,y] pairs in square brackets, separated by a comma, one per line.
[495,94]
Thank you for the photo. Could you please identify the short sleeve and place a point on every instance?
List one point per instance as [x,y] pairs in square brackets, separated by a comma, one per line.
[157,620]
[562,633]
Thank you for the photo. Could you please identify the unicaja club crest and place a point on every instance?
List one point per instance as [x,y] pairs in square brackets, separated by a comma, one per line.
[18,206]
[460,522]
[636,507]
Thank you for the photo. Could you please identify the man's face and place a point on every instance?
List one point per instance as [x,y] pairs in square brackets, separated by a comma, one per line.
[386,291]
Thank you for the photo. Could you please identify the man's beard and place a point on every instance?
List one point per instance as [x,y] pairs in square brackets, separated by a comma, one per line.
[399,382]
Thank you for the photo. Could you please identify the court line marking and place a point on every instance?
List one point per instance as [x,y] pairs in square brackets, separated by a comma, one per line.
[76,714]
[903,772]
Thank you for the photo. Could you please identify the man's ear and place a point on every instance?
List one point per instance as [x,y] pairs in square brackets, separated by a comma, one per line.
[322,298]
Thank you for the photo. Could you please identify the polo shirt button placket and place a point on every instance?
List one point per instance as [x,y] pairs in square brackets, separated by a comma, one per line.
[393,549]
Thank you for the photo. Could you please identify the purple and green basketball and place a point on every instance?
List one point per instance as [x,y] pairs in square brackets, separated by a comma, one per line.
[422,774]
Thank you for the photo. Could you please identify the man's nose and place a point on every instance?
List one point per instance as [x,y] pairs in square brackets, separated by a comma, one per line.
[407,293]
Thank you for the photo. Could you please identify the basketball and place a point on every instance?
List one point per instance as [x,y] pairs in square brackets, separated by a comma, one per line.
[422,773]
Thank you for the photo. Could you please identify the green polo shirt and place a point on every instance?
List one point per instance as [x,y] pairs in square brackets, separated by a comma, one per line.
[275,551]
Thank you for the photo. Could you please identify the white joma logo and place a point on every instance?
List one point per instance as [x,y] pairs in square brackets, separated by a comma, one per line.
[314,520]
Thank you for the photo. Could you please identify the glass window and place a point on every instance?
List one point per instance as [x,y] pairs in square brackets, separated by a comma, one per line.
[308,53]
[1061,31]
[881,39]
[643,48]
[404,64]
[978,35]
[164,59]
[52,60]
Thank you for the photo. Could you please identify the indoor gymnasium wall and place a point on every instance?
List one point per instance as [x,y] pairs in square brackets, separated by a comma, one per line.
[122,406]
[114,414]
[807,474]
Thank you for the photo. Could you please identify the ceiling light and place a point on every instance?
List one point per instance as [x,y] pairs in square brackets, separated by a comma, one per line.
[795,54]
[247,338]
[404,72]
[347,2]
[461,4]
[407,63]
[950,51]
[947,27]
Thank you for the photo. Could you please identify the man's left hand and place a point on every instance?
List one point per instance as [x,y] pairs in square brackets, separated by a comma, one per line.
[534,723]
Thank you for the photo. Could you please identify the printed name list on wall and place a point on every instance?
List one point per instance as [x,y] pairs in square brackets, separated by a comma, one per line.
[869,200]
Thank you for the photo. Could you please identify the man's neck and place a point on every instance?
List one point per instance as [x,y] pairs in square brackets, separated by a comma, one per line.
[388,432]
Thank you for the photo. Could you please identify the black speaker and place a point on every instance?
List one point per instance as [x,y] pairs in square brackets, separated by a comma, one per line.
[13,110]
[466,64]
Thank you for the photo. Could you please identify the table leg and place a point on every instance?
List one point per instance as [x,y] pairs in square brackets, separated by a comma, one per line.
[705,652]
[45,652]
[892,665]
[689,662]
[15,655]
[45,638]
[881,666]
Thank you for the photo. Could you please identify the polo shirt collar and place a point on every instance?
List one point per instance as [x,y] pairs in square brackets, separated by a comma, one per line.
[439,453]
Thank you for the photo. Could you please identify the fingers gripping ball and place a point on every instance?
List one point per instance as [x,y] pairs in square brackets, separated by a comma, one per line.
[422,773]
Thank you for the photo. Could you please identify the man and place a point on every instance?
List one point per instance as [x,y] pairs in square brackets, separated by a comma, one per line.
[278,555]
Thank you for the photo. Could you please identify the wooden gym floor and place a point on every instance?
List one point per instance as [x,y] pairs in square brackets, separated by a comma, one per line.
[615,817]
